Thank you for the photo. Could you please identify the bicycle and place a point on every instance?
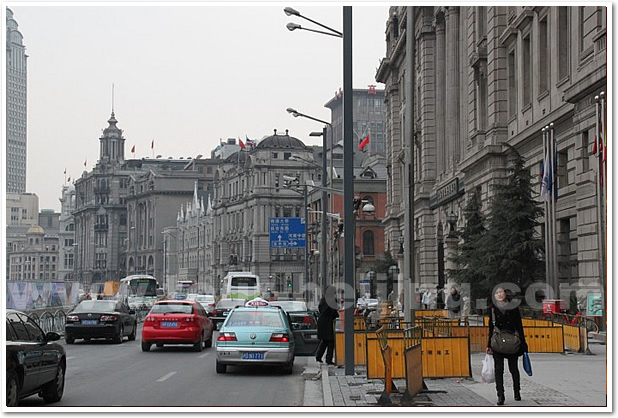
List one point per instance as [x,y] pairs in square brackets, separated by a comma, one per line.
[577,320]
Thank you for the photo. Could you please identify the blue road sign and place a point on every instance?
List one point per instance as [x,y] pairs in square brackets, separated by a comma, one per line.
[287,233]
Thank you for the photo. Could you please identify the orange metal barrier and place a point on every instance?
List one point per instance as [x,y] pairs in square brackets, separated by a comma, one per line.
[375,362]
[446,357]
[544,339]
[360,347]
[413,361]
[573,337]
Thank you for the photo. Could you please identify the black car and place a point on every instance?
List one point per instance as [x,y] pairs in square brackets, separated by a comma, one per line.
[223,308]
[109,319]
[34,362]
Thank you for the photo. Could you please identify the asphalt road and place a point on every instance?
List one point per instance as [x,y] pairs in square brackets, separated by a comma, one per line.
[104,374]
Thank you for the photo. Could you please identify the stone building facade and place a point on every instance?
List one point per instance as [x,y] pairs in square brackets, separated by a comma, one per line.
[486,77]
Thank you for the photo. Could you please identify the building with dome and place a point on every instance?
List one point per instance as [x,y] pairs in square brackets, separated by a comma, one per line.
[249,190]
[35,258]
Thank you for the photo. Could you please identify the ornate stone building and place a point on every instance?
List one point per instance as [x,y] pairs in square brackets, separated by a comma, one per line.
[485,77]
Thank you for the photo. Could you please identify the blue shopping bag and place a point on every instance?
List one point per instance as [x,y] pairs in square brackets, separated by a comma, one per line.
[527,364]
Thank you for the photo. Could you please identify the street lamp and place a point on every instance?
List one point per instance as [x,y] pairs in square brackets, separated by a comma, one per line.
[293,26]
[452,218]
[324,132]
[348,175]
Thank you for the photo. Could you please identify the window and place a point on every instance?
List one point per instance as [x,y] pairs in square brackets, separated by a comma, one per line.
[563,42]
[368,243]
[527,71]
[543,56]
[512,77]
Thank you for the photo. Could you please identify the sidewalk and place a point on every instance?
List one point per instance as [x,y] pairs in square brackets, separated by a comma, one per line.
[558,380]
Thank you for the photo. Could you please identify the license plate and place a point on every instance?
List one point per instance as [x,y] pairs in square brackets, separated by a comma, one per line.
[89,321]
[253,356]
[169,324]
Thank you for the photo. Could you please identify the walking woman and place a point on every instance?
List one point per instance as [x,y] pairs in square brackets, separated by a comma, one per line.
[506,316]
[326,332]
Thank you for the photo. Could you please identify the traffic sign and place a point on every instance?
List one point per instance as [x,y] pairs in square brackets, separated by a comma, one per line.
[287,233]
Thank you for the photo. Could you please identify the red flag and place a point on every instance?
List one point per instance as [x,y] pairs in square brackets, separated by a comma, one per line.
[133,149]
[363,143]
[65,171]
[69,179]
[242,144]
[152,144]
[85,162]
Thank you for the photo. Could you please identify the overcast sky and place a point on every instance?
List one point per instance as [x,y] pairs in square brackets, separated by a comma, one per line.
[184,76]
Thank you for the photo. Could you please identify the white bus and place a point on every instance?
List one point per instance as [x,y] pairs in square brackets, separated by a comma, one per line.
[241,285]
[138,291]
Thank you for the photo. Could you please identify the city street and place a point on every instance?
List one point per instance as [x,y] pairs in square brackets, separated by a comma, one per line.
[103,374]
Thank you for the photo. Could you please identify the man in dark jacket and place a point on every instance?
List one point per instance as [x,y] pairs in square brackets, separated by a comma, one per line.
[326,333]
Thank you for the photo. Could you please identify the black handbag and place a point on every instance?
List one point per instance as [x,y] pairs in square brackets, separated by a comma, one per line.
[504,341]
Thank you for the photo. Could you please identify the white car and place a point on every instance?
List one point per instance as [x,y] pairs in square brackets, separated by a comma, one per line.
[207,301]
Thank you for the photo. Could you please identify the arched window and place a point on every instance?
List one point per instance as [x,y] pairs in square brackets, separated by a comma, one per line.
[368,243]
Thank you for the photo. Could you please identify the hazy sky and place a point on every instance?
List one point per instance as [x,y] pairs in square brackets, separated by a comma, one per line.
[185,75]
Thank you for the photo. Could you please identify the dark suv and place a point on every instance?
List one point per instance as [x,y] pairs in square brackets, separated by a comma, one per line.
[34,362]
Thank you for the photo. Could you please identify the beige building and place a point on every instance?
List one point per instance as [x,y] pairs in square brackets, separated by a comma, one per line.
[485,77]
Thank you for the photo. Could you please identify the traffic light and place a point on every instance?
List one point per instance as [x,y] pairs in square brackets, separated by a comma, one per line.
[289,284]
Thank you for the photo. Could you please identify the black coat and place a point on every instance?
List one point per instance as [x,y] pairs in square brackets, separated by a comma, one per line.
[509,320]
[326,318]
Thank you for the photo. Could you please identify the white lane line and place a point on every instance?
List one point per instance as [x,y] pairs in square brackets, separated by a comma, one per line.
[167,376]
[69,358]
[204,355]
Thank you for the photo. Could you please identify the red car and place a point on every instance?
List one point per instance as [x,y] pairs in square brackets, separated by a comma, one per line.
[177,322]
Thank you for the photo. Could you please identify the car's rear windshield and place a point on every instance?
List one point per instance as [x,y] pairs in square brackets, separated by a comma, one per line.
[230,303]
[96,306]
[171,307]
[291,305]
[255,319]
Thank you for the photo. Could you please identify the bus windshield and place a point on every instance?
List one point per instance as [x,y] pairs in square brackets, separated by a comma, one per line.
[143,287]
[244,281]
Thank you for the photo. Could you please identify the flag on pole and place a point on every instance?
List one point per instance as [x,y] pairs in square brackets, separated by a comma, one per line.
[598,148]
[65,171]
[133,149]
[249,142]
[85,162]
[69,179]
[242,145]
[152,144]
[546,184]
[363,143]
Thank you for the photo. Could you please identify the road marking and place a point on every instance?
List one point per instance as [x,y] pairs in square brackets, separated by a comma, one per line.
[167,376]
[204,355]
[69,358]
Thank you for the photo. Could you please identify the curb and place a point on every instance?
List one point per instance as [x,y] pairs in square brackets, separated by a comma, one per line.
[327,394]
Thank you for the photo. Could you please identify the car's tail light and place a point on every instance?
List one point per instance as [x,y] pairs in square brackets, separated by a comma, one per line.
[150,319]
[214,312]
[190,319]
[306,319]
[211,304]
[72,318]
[279,338]
[108,318]
[227,336]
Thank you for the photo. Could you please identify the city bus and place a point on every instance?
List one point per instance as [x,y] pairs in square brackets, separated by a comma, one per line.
[241,285]
[138,291]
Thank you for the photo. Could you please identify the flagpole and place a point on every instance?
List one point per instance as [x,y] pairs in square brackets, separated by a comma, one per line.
[546,207]
[554,189]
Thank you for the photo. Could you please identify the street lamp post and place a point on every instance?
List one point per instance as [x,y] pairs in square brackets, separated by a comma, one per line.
[348,174]
[296,114]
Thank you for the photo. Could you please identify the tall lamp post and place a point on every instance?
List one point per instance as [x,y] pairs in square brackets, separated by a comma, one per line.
[296,114]
[348,173]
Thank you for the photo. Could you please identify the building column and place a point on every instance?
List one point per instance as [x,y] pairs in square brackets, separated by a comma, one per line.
[452,86]
[440,112]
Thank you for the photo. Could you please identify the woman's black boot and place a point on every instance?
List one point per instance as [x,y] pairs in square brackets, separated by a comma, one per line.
[517,395]
[500,400]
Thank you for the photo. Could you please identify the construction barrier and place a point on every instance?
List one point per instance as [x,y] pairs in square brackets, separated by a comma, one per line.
[478,338]
[446,357]
[574,337]
[442,313]
[360,347]
[375,361]
[544,339]
[413,361]
[529,322]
